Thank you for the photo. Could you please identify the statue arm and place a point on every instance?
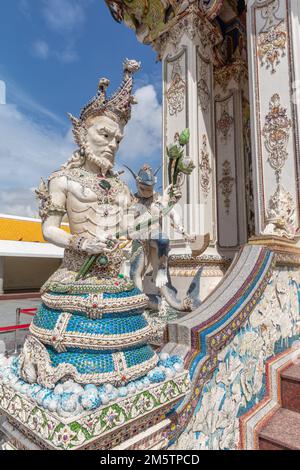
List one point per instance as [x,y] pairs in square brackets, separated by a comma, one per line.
[54,213]
[176,223]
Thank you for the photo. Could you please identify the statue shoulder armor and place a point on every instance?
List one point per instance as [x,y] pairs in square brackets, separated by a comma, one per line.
[59,174]
[47,206]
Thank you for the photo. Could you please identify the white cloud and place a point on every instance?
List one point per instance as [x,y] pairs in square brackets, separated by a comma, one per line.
[143,134]
[66,18]
[2,92]
[67,55]
[28,151]
[41,49]
[31,150]
[64,15]
[18,202]
[27,103]
[24,8]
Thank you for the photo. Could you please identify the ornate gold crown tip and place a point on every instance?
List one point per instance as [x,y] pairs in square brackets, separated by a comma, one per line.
[132,66]
[103,83]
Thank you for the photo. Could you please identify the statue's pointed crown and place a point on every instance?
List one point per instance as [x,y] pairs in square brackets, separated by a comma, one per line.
[117,107]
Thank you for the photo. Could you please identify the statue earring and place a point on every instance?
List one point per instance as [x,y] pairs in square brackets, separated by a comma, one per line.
[82,152]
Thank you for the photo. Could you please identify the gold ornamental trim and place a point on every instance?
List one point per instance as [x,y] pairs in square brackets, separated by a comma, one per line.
[287,251]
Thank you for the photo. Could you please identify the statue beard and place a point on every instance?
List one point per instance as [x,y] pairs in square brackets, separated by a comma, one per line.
[102,163]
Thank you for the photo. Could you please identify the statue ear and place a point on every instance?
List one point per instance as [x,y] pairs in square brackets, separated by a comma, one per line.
[131,171]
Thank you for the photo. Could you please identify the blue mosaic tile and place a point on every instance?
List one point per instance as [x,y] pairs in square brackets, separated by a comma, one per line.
[116,324]
[89,362]
[45,318]
[85,362]
[122,295]
[138,355]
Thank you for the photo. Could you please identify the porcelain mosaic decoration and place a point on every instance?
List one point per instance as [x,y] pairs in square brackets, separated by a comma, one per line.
[281,213]
[272,38]
[226,184]
[238,382]
[89,343]
[176,91]
[205,168]
[72,416]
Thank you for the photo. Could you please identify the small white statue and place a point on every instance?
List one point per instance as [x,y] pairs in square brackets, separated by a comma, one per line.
[155,247]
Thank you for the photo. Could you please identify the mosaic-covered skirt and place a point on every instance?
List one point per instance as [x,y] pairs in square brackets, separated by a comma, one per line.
[95,331]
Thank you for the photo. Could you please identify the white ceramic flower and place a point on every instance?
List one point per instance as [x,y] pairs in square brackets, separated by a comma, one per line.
[207,417]
[228,370]
[230,436]
[250,344]
[228,413]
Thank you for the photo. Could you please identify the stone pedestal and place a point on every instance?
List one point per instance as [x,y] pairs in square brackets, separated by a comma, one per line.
[134,422]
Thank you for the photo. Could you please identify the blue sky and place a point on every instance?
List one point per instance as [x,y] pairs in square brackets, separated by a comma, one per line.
[52,54]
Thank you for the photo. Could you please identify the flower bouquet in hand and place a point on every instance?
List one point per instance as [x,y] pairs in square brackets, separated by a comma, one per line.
[178,164]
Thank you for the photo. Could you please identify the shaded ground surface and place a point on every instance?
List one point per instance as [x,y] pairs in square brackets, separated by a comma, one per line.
[8,318]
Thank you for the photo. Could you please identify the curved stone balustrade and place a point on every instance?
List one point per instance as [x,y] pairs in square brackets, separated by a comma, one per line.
[250,317]
[249,265]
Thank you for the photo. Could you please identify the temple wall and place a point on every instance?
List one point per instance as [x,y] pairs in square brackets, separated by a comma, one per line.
[201,91]
[273,39]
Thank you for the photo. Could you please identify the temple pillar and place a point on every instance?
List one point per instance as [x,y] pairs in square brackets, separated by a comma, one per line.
[273,45]
[186,51]
[230,119]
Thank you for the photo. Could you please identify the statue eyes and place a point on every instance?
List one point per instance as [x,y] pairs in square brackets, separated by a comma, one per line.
[107,136]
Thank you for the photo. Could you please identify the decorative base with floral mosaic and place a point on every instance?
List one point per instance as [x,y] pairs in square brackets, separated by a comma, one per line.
[33,426]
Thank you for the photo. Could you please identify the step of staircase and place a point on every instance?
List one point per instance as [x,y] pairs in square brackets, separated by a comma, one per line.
[282,431]
[290,388]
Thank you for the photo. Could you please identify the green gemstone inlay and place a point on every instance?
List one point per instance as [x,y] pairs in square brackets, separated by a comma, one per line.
[105,185]
[103,260]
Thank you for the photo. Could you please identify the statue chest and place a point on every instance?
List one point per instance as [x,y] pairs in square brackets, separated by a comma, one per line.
[90,209]
[88,187]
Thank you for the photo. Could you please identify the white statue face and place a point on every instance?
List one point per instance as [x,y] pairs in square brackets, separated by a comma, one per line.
[103,138]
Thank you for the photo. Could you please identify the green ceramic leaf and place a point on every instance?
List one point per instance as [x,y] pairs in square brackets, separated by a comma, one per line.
[184,137]
[186,166]
[175,152]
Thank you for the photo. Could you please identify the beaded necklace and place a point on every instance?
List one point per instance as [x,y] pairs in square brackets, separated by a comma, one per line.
[106,188]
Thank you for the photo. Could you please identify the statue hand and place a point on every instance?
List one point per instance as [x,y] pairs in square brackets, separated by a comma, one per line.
[171,194]
[190,237]
[176,193]
[95,246]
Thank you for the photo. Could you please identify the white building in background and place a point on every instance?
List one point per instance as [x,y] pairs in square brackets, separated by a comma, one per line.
[26,260]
